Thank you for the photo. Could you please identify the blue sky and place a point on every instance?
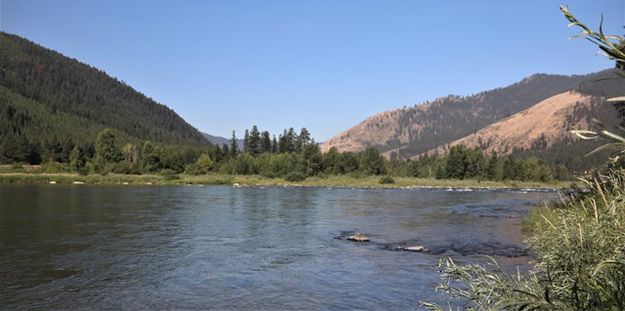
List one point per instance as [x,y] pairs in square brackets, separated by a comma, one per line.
[326,65]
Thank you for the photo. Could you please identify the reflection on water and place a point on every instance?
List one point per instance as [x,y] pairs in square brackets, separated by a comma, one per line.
[89,247]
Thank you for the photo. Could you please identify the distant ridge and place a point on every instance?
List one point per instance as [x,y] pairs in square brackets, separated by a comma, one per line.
[219,141]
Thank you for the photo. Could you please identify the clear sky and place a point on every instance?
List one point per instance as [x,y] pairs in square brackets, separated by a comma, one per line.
[323,64]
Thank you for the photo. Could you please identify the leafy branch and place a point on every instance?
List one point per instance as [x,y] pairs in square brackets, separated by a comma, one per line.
[613,46]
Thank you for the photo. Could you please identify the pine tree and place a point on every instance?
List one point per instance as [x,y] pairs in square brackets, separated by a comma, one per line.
[14,148]
[246,141]
[254,143]
[302,140]
[106,149]
[265,142]
[475,163]
[331,161]
[456,164]
[234,144]
[511,168]
[494,171]
[149,157]
[312,159]
[291,137]
[372,162]
[283,143]
[274,145]
[226,150]
[76,159]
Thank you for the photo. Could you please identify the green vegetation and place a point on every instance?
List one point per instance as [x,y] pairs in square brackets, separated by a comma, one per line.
[296,157]
[386,180]
[27,174]
[42,90]
[578,244]
[54,109]
[51,105]
[580,260]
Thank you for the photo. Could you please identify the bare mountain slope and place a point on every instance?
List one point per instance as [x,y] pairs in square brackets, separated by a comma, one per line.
[382,127]
[547,123]
[415,130]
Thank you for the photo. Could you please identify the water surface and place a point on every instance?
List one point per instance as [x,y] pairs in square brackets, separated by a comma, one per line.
[191,247]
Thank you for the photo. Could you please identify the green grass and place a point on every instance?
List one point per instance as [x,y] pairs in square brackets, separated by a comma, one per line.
[579,250]
[256,180]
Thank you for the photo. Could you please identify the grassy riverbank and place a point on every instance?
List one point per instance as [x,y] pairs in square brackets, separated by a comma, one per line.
[255,180]
[579,259]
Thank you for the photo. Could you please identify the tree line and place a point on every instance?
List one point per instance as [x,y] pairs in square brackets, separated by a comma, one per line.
[292,155]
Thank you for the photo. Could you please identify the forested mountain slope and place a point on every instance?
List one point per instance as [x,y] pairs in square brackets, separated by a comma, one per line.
[46,97]
[415,130]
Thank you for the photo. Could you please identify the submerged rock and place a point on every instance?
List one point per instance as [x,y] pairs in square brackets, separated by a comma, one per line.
[358,237]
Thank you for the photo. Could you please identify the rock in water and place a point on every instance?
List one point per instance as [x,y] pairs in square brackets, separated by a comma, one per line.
[358,237]
[415,248]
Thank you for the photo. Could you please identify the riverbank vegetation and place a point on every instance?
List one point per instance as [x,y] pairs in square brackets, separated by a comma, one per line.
[292,157]
[578,244]
[579,251]
[27,174]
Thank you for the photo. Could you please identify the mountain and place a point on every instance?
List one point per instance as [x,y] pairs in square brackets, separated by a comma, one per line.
[543,130]
[218,140]
[48,98]
[406,133]
[541,126]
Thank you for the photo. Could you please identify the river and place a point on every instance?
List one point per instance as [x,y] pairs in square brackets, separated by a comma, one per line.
[191,247]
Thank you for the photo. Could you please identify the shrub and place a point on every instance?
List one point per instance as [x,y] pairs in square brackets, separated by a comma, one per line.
[294,177]
[356,175]
[53,168]
[91,167]
[82,171]
[579,247]
[124,167]
[269,174]
[386,180]
[193,169]
[169,174]
[202,166]
[17,167]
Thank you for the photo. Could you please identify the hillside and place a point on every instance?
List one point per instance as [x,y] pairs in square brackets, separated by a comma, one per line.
[47,98]
[408,132]
[539,127]
[543,130]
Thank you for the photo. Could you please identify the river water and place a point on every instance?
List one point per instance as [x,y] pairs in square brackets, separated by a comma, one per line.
[190,247]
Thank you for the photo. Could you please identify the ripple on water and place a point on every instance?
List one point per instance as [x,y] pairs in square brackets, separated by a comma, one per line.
[246,248]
